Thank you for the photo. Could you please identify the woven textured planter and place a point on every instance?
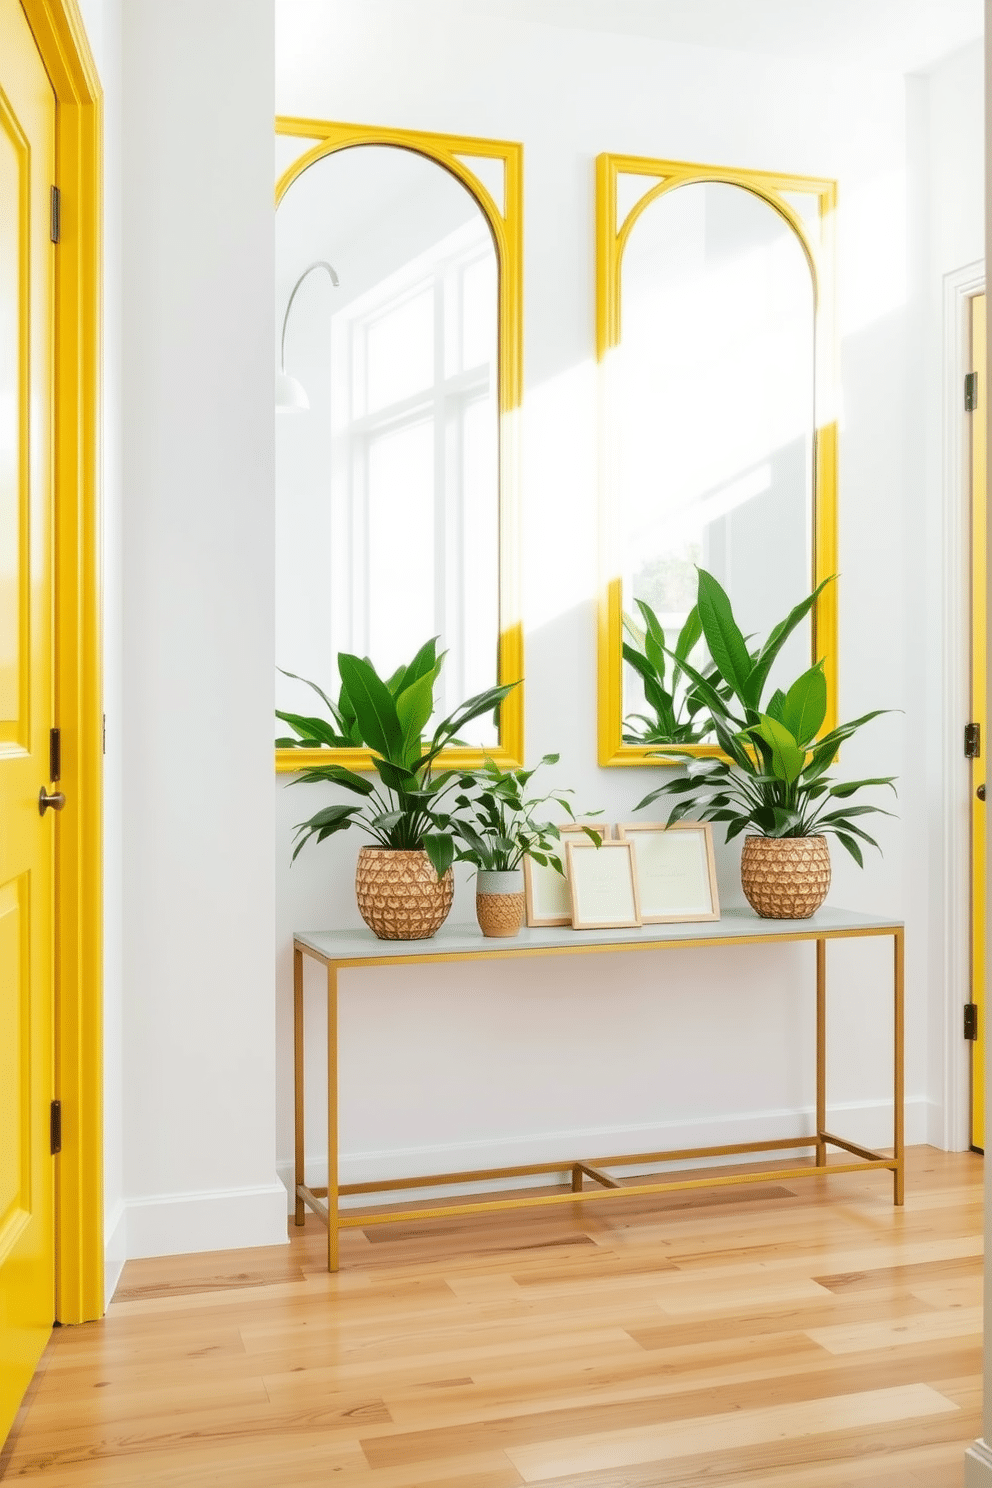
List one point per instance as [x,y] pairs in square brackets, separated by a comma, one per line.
[499,902]
[785,878]
[400,897]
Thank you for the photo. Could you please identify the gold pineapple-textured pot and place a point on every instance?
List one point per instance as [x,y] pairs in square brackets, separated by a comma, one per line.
[400,897]
[785,878]
[499,901]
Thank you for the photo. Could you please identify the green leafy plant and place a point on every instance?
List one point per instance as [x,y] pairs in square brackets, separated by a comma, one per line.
[772,777]
[497,825]
[404,808]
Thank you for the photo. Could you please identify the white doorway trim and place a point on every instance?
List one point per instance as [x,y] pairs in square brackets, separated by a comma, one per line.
[955,791]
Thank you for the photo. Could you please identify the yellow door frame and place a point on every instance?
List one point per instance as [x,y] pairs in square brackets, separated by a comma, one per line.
[61,39]
[978,712]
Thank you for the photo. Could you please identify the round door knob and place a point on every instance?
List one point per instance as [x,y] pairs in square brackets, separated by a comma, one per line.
[56,801]
[980,793]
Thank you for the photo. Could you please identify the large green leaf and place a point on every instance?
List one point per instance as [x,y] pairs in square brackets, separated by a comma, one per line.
[337,818]
[690,634]
[805,705]
[705,690]
[310,730]
[440,848]
[374,706]
[414,707]
[638,661]
[726,643]
[787,759]
[483,702]
[852,848]
[361,785]
[426,660]
[850,787]
[654,639]
[776,640]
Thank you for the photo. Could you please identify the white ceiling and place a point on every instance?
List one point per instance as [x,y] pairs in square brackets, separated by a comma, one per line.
[898,35]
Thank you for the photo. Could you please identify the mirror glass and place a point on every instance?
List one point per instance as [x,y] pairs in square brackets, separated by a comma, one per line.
[715,415]
[387,509]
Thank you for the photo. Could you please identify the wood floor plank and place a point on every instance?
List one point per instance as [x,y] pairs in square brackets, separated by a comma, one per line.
[960,1322]
[731,1431]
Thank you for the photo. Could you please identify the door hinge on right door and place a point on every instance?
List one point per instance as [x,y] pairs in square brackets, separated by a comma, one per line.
[972,740]
[971,392]
[971,1021]
[56,1127]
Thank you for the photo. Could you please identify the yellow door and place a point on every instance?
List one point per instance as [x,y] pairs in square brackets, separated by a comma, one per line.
[27,844]
[978,764]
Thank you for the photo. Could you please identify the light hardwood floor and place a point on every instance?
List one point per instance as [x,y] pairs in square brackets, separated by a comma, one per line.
[803,1335]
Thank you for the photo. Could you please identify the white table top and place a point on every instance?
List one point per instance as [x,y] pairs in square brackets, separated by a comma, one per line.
[457,942]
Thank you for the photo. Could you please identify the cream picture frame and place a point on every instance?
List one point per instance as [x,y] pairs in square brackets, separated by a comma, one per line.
[602,885]
[675,871]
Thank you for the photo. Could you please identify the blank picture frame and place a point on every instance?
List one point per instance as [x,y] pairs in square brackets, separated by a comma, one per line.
[676,871]
[602,884]
[546,893]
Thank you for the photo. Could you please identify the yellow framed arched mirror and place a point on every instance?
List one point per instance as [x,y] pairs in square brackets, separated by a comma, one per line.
[715,340]
[399,355]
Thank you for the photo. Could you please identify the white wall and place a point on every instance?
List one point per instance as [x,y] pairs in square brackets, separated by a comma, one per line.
[461,1065]
[195,738]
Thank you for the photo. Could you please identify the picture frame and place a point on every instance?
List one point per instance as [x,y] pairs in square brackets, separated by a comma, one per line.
[546,895]
[676,871]
[602,885]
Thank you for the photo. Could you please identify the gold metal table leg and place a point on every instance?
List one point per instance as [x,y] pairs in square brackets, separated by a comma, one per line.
[821,1052]
[899,980]
[298,1067]
[333,1204]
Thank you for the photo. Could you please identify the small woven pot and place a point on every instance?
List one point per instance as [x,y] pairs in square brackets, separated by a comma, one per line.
[499,901]
[400,897]
[785,878]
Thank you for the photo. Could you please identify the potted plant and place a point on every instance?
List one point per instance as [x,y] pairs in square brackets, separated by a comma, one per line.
[497,828]
[404,883]
[771,781]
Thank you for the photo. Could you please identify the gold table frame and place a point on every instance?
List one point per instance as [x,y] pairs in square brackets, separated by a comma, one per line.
[351,950]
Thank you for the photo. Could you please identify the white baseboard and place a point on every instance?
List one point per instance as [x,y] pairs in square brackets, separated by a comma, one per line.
[868,1123]
[978,1465]
[219,1219]
[114,1249]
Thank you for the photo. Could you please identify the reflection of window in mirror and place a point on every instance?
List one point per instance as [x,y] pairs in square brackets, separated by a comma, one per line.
[713,410]
[389,487]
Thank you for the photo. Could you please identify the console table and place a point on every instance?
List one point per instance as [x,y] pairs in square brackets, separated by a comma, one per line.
[351,950]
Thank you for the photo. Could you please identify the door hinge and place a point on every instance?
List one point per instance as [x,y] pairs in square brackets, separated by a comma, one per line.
[972,740]
[54,754]
[56,222]
[56,1127]
[971,1020]
[971,392]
